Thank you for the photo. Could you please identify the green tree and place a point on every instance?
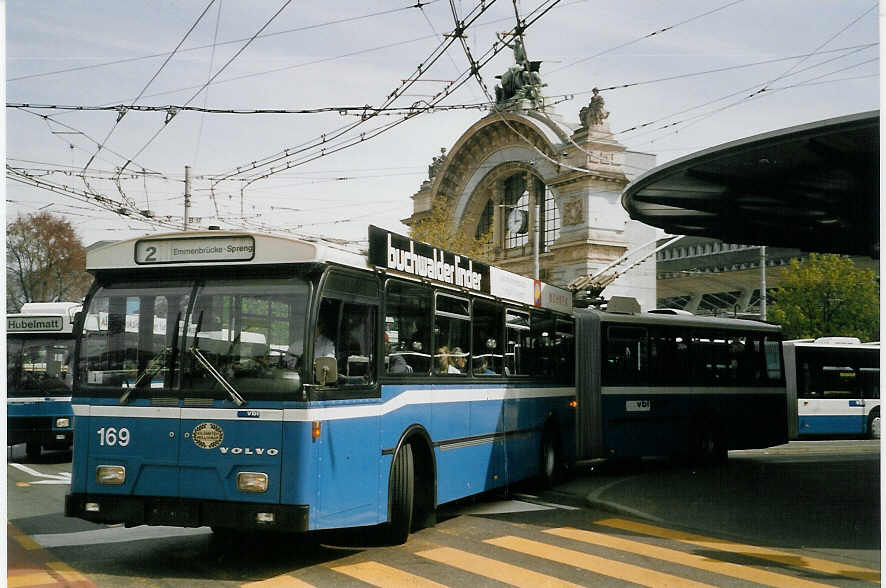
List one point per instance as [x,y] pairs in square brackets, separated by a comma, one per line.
[827,295]
[45,261]
[439,230]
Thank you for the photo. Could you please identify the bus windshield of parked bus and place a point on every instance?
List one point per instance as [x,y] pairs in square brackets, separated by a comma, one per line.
[38,366]
[240,339]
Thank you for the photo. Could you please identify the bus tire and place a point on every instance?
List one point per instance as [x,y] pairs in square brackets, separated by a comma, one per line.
[549,461]
[708,446]
[402,489]
[874,424]
[33,449]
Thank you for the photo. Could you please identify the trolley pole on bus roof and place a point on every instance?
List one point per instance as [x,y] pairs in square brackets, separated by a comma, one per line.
[187,194]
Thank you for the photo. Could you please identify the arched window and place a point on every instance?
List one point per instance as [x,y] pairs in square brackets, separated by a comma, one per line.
[516,198]
[485,220]
[550,218]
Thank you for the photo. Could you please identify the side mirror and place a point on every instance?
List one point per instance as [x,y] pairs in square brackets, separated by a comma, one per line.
[325,370]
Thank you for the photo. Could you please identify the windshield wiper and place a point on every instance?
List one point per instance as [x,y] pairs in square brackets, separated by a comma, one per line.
[232,392]
[157,363]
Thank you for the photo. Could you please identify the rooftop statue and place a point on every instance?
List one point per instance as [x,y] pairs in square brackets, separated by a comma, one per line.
[436,164]
[521,81]
[594,113]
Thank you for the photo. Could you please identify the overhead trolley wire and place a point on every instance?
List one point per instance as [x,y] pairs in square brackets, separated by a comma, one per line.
[319,144]
[154,77]
[418,5]
[221,69]
[647,36]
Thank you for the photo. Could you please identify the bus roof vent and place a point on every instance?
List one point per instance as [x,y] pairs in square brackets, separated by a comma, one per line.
[623,305]
[669,311]
[838,341]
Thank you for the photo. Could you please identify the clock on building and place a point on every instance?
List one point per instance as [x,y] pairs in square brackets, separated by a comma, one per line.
[518,221]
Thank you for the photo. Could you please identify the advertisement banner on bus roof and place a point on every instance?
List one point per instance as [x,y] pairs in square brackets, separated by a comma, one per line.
[402,254]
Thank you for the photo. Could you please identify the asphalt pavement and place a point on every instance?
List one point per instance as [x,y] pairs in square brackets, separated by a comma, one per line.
[811,495]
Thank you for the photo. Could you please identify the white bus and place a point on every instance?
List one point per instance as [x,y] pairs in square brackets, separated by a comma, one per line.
[834,386]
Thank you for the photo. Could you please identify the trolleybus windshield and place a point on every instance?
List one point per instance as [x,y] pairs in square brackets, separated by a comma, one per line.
[238,339]
[38,366]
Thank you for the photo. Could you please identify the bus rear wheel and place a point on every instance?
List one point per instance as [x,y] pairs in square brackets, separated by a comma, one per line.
[707,446]
[402,496]
[874,425]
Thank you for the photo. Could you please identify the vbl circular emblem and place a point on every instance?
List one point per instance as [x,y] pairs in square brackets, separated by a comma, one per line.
[208,435]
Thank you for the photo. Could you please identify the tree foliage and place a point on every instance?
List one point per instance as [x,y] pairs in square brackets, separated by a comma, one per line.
[827,295]
[440,230]
[45,261]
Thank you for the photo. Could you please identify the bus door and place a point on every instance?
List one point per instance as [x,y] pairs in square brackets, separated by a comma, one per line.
[347,449]
[828,390]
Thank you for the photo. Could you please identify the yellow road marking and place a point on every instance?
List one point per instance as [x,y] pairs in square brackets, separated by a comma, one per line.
[36,579]
[592,563]
[67,572]
[379,574]
[781,557]
[283,581]
[26,542]
[493,569]
[22,484]
[685,559]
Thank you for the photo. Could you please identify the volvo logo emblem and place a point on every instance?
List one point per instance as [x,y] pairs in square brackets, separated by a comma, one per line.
[208,435]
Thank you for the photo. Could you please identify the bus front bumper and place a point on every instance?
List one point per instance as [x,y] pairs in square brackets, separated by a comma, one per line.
[181,512]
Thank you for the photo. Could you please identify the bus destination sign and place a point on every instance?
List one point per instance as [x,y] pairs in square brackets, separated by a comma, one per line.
[34,323]
[402,254]
[195,249]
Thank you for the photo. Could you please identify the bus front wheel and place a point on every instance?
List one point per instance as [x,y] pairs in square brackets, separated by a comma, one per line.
[549,464]
[402,495]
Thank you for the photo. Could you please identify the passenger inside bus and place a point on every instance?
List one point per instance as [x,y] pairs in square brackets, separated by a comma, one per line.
[394,360]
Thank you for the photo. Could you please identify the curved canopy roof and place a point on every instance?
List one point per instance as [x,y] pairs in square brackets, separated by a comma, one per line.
[813,187]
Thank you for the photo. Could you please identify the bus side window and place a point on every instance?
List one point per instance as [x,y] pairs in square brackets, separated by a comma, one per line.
[668,357]
[452,335]
[625,356]
[346,328]
[870,383]
[487,338]
[346,331]
[517,345]
[564,342]
[407,327]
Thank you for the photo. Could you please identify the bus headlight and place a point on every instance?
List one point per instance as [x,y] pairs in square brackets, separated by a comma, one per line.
[62,423]
[252,482]
[110,475]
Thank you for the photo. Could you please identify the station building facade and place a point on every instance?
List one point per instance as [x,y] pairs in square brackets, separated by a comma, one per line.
[526,175]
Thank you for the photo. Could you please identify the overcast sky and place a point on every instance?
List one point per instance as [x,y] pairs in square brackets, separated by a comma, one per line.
[693,84]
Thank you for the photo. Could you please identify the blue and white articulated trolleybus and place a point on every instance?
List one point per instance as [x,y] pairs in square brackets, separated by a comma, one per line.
[39,373]
[665,384]
[244,381]
[834,386]
[239,380]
